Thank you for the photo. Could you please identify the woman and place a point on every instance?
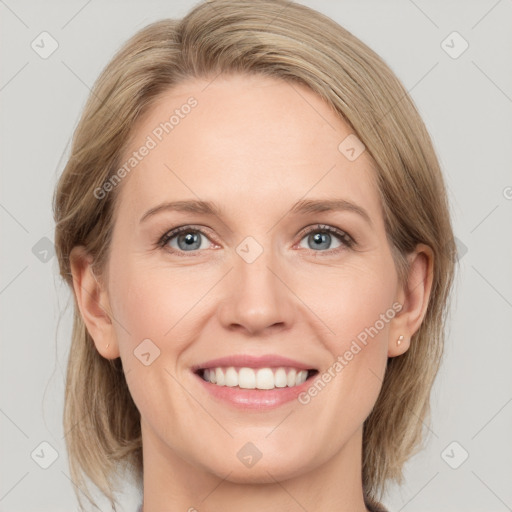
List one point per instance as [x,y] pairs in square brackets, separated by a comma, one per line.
[255,228]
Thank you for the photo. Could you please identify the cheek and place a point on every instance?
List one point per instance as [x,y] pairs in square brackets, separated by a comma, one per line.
[351,297]
[356,303]
[151,301]
[144,304]
[157,302]
[153,304]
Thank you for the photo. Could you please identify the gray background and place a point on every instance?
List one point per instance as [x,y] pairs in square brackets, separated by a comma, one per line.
[466,103]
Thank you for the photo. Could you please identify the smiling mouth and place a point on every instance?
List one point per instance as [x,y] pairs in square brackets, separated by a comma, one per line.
[256,378]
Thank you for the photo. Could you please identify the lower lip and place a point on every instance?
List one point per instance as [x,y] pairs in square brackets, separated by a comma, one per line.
[262,399]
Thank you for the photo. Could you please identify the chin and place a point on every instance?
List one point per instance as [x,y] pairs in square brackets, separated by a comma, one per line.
[261,472]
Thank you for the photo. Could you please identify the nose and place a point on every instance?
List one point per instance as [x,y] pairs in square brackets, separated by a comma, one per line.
[257,297]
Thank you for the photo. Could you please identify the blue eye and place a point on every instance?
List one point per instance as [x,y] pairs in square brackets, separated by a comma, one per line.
[321,237]
[187,239]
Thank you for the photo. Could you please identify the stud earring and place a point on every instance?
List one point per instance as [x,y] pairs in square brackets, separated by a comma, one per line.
[399,341]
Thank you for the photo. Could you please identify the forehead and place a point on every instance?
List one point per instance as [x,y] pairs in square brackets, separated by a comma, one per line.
[244,140]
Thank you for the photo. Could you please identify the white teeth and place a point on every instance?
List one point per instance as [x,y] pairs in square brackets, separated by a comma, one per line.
[291,377]
[246,378]
[280,378]
[265,379]
[219,377]
[301,377]
[231,377]
[250,378]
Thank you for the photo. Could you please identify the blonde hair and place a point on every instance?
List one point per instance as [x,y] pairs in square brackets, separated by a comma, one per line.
[291,42]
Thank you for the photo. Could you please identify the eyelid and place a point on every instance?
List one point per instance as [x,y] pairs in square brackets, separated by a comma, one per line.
[171,233]
[343,235]
[345,238]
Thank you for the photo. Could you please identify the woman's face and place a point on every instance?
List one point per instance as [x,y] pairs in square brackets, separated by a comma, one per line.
[270,282]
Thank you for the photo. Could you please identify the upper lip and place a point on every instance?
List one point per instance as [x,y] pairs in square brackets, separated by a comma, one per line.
[248,361]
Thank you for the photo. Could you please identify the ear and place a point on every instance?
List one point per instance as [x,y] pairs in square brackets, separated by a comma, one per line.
[92,300]
[414,296]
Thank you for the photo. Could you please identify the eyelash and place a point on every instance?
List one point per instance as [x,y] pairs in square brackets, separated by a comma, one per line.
[344,237]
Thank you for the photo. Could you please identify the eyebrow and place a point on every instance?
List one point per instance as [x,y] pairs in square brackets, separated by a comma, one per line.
[301,207]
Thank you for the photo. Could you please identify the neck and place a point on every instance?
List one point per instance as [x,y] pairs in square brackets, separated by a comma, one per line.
[173,484]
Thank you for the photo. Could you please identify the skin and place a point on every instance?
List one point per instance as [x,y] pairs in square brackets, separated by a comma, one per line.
[254,146]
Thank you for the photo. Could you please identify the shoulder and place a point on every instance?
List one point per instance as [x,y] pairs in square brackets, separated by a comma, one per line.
[373,506]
